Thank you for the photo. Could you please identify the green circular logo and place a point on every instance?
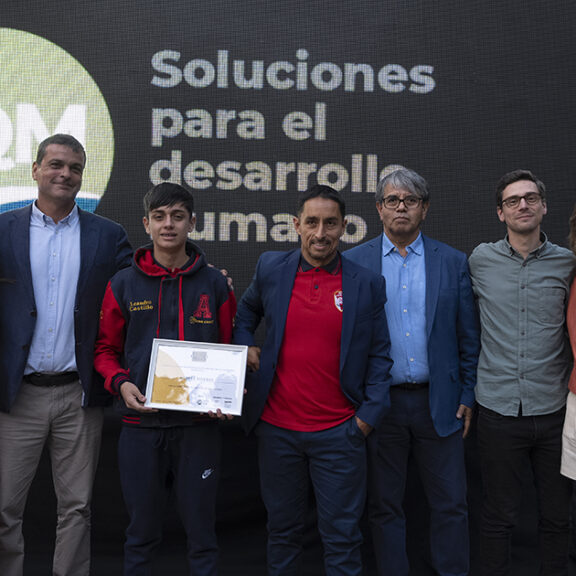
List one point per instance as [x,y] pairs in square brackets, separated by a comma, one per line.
[44,91]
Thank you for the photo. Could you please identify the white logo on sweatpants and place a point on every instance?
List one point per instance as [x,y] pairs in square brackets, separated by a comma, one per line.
[207,473]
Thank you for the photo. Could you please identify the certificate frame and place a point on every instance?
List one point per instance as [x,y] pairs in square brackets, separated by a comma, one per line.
[196,376]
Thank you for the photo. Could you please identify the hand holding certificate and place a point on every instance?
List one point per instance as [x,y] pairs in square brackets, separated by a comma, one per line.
[196,376]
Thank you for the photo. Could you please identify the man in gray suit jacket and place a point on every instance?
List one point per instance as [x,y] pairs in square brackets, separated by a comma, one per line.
[55,260]
[434,344]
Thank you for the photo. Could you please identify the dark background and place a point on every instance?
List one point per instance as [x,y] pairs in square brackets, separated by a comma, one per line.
[505,87]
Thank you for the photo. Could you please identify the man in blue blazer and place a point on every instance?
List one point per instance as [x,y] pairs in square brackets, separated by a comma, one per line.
[55,263]
[321,384]
[435,342]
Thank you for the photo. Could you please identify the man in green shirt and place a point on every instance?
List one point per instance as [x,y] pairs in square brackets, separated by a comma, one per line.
[521,284]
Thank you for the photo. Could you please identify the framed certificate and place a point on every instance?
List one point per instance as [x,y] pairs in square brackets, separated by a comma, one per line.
[196,376]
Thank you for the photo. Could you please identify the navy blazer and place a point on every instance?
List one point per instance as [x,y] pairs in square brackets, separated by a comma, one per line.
[451,323]
[365,344]
[104,249]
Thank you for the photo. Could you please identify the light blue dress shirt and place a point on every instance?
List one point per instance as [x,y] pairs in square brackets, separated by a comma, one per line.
[55,265]
[406,310]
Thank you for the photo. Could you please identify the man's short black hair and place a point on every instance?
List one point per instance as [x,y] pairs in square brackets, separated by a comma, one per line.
[61,140]
[321,191]
[516,176]
[168,194]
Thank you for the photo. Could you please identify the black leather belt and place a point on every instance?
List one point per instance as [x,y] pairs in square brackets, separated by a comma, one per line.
[412,385]
[40,379]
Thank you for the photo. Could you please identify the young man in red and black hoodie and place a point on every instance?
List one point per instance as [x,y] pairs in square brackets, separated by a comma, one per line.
[168,292]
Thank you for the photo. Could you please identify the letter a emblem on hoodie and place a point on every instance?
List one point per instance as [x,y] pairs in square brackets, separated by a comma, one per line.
[203,311]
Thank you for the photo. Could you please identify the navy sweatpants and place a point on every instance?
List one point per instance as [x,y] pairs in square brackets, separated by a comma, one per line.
[153,463]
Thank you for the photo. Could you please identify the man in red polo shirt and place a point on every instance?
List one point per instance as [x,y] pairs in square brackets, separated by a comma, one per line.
[320,384]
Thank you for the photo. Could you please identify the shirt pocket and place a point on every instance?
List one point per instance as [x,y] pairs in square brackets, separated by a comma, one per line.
[551,305]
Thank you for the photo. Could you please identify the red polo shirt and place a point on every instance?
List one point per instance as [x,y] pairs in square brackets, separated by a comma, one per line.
[306,394]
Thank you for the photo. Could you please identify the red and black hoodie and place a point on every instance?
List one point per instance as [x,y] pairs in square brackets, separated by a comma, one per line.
[148,301]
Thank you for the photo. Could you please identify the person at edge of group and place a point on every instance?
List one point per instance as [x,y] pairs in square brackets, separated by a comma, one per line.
[56,260]
[568,467]
[521,284]
[435,339]
[321,384]
[168,292]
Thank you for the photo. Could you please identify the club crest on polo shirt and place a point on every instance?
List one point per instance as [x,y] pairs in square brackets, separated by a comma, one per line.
[338,300]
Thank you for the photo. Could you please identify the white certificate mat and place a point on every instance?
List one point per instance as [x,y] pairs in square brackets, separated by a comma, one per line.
[196,376]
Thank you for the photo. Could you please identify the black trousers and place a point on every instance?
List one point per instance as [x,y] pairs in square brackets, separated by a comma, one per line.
[509,446]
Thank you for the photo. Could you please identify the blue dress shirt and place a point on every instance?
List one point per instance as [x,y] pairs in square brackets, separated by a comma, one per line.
[406,310]
[55,265]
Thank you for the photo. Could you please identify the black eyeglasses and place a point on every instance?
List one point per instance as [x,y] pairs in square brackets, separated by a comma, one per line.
[393,202]
[532,198]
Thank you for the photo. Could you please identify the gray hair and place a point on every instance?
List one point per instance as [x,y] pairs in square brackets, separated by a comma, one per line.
[404,179]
